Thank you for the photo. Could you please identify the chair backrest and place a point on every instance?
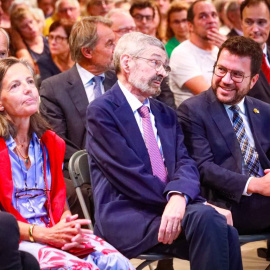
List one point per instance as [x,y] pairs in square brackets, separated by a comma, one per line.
[79,173]
[79,169]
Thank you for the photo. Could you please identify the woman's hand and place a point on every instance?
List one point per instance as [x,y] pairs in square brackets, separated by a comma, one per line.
[76,241]
[67,231]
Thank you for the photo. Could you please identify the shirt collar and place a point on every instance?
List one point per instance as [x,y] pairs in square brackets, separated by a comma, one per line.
[265,50]
[238,31]
[240,104]
[85,75]
[134,103]
[11,144]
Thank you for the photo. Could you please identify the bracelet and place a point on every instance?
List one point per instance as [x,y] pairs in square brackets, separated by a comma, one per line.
[31,228]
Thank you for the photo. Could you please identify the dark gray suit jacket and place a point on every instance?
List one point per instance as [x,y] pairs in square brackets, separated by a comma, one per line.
[64,103]
[261,90]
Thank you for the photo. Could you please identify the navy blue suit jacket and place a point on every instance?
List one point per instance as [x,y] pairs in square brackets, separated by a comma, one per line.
[129,200]
[212,143]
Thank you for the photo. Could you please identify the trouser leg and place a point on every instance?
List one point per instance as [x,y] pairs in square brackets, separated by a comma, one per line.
[28,261]
[9,243]
[212,243]
[206,241]
[166,264]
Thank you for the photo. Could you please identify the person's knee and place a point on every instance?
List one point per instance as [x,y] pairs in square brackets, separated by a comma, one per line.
[29,262]
[204,217]
[232,233]
[8,226]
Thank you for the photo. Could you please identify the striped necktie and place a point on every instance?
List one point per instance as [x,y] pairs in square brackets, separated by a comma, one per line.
[249,153]
[156,159]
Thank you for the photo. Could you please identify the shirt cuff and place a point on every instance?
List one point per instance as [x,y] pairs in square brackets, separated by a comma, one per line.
[246,187]
[171,192]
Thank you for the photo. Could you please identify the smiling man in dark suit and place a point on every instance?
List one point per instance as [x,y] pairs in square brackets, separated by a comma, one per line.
[65,97]
[146,188]
[227,134]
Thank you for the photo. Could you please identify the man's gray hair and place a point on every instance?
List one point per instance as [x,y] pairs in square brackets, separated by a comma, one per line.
[4,32]
[133,44]
[117,11]
[58,2]
[84,35]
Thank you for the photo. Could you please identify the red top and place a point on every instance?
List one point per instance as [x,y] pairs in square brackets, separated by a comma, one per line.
[56,150]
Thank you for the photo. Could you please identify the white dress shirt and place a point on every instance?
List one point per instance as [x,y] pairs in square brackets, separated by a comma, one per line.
[86,78]
[135,104]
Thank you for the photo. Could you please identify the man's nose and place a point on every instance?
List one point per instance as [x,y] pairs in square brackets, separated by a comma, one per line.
[227,78]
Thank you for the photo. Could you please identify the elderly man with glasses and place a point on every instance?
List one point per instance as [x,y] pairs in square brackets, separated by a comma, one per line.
[67,11]
[146,188]
[227,134]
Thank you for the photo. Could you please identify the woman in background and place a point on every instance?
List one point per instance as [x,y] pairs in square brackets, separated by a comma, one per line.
[59,59]
[26,37]
[177,25]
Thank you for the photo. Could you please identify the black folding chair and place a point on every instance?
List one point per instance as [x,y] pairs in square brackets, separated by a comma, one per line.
[79,172]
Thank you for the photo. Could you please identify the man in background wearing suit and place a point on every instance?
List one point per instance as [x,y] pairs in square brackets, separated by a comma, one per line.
[232,9]
[255,15]
[227,134]
[65,97]
[146,188]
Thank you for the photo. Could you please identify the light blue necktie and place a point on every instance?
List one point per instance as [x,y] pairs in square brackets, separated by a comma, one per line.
[97,87]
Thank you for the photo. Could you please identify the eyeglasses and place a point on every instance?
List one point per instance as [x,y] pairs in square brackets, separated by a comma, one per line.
[101,3]
[65,10]
[236,76]
[125,30]
[30,193]
[156,64]
[57,38]
[139,17]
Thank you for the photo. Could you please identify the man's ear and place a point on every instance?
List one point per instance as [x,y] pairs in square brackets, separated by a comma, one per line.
[86,52]
[190,27]
[253,80]
[125,63]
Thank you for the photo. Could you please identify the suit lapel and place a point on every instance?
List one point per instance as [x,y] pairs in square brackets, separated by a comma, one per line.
[265,83]
[126,117]
[77,92]
[221,119]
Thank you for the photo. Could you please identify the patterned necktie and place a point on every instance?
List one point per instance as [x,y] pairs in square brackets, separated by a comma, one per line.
[97,89]
[156,160]
[265,68]
[249,153]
